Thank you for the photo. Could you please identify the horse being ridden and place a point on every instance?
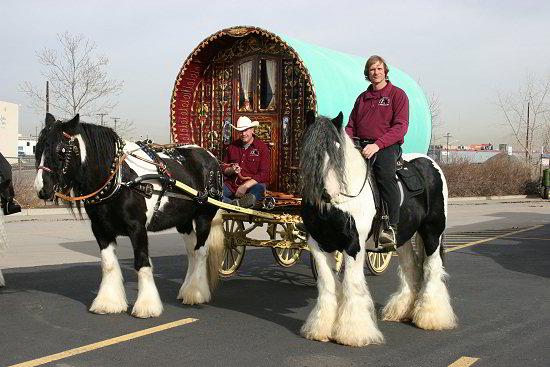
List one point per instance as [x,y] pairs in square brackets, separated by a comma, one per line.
[338,210]
[82,158]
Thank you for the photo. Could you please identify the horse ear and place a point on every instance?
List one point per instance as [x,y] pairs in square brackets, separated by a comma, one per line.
[310,117]
[71,126]
[338,120]
[49,119]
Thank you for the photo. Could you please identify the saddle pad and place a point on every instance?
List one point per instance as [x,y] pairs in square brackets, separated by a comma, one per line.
[410,177]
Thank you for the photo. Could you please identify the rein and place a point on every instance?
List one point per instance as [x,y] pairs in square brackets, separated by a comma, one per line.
[84,197]
[336,201]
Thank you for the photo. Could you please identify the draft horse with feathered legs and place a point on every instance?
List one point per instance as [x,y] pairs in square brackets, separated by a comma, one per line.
[338,210]
[80,161]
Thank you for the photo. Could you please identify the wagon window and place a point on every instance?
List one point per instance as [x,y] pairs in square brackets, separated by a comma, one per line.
[245,86]
[268,84]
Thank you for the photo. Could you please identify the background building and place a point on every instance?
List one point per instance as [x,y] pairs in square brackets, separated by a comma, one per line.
[9,128]
[26,146]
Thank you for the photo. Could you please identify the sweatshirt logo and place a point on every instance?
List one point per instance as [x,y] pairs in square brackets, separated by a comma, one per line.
[254,153]
[384,101]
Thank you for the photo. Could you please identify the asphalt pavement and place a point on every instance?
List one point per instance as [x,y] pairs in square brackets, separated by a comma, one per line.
[498,262]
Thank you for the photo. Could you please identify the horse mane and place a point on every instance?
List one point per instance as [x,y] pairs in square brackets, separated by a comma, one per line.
[319,141]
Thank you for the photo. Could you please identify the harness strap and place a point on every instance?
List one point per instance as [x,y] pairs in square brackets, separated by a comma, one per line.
[83,197]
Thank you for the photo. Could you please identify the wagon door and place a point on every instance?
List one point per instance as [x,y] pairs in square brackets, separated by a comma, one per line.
[257,95]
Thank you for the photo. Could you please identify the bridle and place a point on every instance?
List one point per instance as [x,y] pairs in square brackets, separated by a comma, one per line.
[65,152]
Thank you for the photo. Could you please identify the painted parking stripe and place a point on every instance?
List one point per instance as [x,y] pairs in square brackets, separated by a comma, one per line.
[103,343]
[491,238]
[464,362]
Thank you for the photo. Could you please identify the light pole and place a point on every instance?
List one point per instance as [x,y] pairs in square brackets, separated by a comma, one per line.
[115,119]
[101,114]
[448,136]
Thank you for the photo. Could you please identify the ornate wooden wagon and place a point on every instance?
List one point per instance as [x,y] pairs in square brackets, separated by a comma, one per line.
[275,80]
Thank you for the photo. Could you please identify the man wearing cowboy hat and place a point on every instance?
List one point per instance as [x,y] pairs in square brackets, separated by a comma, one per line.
[246,166]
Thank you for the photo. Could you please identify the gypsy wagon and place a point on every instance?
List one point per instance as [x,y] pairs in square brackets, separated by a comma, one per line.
[275,80]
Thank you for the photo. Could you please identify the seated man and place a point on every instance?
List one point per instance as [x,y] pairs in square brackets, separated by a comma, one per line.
[6,188]
[246,166]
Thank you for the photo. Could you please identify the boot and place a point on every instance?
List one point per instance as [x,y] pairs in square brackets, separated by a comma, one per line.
[10,206]
[247,201]
[388,237]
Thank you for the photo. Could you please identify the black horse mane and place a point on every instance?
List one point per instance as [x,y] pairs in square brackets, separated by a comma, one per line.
[320,138]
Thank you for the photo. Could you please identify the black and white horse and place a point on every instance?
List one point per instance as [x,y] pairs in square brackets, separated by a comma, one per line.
[338,211]
[78,159]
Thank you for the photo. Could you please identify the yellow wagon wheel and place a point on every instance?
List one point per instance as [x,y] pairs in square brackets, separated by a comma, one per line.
[285,257]
[378,262]
[234,253]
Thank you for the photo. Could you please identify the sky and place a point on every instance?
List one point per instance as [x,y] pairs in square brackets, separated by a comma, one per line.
[463,52]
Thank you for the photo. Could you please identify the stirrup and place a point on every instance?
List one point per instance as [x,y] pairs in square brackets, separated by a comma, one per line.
[388,237]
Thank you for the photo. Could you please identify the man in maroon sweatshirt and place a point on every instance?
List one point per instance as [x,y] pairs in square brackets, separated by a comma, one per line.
[246,166]
[380,119]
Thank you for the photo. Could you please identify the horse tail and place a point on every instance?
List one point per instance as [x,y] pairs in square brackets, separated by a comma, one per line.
[216,248]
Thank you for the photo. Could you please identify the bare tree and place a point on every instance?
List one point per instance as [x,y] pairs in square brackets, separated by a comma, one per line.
[77,78]
[527,114]
[435,111]
[125,128]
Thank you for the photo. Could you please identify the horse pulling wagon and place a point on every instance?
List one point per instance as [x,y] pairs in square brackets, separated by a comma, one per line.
[250,71]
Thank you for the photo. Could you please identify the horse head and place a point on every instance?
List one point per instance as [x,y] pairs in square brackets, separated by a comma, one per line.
[57,156]
[322,159]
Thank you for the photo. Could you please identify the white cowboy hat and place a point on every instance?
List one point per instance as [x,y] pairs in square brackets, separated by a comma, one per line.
[244,123]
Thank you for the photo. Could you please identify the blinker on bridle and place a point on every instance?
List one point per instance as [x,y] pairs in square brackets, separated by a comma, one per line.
[64,152]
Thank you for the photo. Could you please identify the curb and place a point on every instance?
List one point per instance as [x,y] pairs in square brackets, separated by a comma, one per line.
[483,198]
[62,211]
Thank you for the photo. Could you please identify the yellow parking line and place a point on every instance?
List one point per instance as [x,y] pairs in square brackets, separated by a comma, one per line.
[464,362]
[491,238]
[103,343]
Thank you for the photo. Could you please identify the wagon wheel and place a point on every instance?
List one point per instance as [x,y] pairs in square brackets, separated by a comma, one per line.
[378,262]
[285,257]
[339,262]
[233,253]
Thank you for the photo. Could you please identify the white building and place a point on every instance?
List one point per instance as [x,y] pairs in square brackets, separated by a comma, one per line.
[9,128]
[26,146]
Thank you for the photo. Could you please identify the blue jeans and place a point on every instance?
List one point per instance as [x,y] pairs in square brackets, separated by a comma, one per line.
[257,190]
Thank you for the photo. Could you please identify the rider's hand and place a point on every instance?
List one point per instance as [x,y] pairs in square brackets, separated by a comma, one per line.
[241,191]
[369,150]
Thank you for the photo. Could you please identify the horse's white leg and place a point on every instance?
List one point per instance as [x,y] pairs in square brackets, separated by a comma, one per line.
[195,288]
[356,321]
[3,245]
[400,304]
[432,309]
[320,321]
[148,303]
[2,281]
[111,297]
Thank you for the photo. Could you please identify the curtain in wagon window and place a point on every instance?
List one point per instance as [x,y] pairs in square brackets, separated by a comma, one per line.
[271,67]
[245,71]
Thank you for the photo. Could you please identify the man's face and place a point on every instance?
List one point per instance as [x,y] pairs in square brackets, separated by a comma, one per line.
[376,73]
[247,135]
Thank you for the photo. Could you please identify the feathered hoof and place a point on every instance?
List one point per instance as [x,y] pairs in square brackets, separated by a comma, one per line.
[358,337]
[397,312]
[101,307]
[317,335]
[441,317]
[144,310]
[193,296]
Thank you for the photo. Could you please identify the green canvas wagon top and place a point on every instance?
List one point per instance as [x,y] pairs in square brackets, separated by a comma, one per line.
[275,80]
